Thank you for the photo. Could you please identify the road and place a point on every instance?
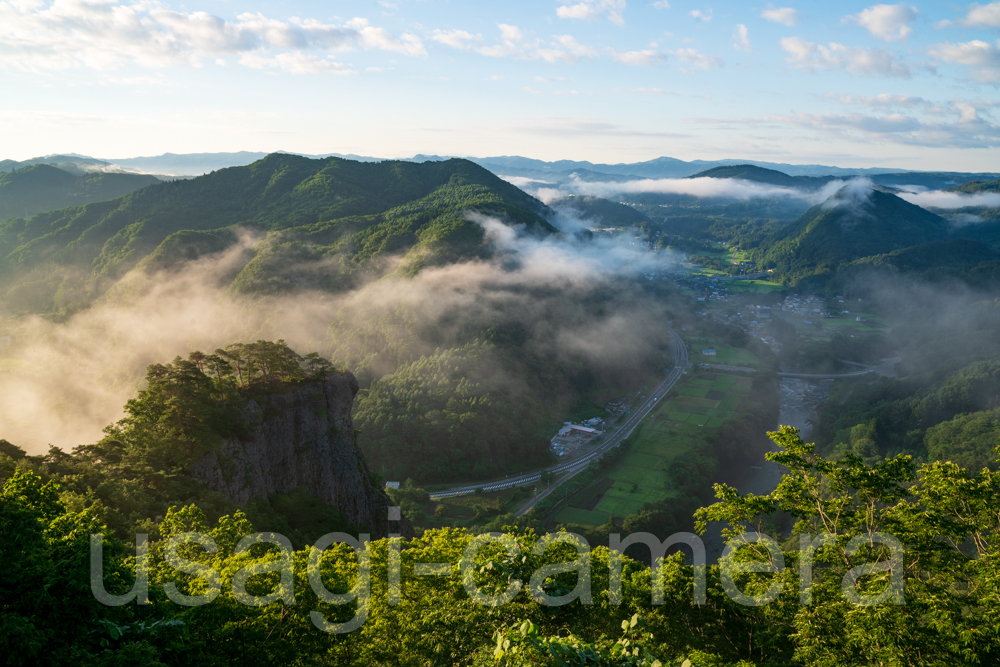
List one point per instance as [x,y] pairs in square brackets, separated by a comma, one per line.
[677,350]
[882,369]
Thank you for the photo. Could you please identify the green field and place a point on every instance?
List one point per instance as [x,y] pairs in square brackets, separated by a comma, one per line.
[675,426]
[756,286]
[694,401]
[579,516]
[731,401]
[847,322]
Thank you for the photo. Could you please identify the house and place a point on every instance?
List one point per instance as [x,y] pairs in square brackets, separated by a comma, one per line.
[860,319]
[392,485]
[710,352]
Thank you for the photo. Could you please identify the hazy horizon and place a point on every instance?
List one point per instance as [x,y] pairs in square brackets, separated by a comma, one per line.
[609,81]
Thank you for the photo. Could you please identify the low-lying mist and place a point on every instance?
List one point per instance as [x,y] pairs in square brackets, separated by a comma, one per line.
[705,188]
[572,298]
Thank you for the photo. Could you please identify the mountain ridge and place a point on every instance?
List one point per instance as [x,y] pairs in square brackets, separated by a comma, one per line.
[661,167]
[333,210]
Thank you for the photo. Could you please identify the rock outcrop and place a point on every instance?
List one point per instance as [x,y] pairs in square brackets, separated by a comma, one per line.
[303,438]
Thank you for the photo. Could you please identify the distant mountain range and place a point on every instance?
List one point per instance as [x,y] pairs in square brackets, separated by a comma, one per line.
[195,164]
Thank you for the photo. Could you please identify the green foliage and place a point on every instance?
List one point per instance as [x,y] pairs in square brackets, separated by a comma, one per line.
[968,440]
[944,518]
[189,406]
[48,612]
[522,645]
[447,416]
[896,413]
[945,569]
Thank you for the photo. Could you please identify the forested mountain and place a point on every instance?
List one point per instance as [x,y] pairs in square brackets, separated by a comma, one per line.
[852,224]
[976,186]
[341,212]
[963,259]
[600,211]
[749,172]
[67,162]
[42,187]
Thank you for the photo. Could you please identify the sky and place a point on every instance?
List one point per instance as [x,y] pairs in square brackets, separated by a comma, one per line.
[850,84]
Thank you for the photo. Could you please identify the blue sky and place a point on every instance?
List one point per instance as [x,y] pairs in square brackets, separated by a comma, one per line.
[850,84]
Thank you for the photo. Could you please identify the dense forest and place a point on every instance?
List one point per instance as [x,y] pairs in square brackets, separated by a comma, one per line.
[928,594]
[42,187]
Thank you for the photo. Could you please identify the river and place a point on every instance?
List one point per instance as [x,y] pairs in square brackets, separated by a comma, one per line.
[799,399]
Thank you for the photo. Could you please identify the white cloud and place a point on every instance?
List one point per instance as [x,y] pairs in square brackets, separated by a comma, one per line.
[569,126]
[965,111]
[104,35]
[696,60]
[593,9]
[783,15]
[983,57]
[982,16]
[296,63]
[558,93]
[658,91]
[661,4]
[966,132]
[887,22]
[882,100]
[951,200]
[730,188]
[704,17]
[524,45]
[741,42]
[645,57]
[456,39]
[810,56]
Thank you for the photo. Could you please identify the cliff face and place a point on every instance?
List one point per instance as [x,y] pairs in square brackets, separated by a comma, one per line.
[302,439]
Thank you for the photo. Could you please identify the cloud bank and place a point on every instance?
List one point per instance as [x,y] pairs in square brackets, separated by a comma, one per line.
[62,34]
[723,188]
[61,383]
[952,200]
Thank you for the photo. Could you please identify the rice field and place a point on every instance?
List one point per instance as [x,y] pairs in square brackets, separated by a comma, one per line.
[675,426]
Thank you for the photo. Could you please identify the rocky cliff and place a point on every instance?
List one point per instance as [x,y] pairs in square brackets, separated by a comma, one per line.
[302,438]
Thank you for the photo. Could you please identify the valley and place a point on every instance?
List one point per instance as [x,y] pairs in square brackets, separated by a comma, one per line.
[457,323]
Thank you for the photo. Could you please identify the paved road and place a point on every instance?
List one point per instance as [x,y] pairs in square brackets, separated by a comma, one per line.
[803,376]
[677,350]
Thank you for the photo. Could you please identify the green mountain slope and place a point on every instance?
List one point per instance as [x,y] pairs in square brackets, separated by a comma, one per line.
[342,212]
[42,187]
[977,186]
[749,172]
[845,228]
[69,163]
[600,211]
[967,260]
